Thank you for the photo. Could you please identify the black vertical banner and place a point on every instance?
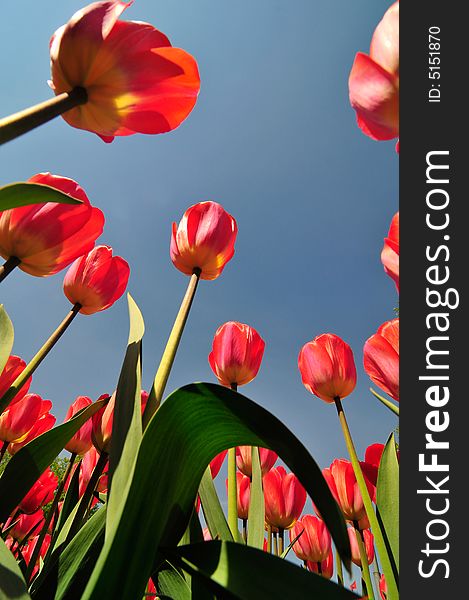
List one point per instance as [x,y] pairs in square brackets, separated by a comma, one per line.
[434,204]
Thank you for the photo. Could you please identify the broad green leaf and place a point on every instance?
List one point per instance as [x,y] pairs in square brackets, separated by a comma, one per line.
[127,423]
[12,584]
[6,337]
[196,423]
[172,584]
[213,512]
[387,499]
[25,193]
[236,571]
[256,515]
[28,464]
[70,502]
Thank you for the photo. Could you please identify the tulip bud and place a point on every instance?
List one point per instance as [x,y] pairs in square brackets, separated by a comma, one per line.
[236,354]
[344,487]
[314,543]
[368,541]
[327,367]
[284,498]
[243,488]
[41,493]
[390,252]
[81,442]
[19,418]
[204,240]
[96,280]
[244,459]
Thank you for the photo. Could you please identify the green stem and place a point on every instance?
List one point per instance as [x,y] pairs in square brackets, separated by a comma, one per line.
[21,122]
[169,354]
[393,593]
[364,561]
[340,573]
[386,402]
[49,517]
[275,534]
[232,489]
[281,541]
[8,267]
[269,539]
[245,531]
[37,359]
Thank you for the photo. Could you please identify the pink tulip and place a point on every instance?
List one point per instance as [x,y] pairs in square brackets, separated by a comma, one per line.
[81,442]
[368,542]
[390,252]
[41,493]
[268,458]
[344,487]
[314,543]
[284,498]
[381,358]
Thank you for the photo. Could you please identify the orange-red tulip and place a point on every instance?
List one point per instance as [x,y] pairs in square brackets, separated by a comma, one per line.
[381,358]
[243,489]
[41,493]
[96,280]
[314,543]
[268,458]
[81,441]
[216,463]
[44,423]
[87,466]
[374,81]
[46,238]
[19,418]
[26,526]
[327,566]
[236,354]
[135,81]
[204,240]
[368,543]
[344,487]
[13,367]
[284,498]
[390,252]
[327,367]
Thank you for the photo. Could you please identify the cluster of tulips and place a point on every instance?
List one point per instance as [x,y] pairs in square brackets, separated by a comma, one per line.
[69,536]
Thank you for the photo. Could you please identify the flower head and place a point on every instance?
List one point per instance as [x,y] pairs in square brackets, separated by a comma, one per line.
[344,487]
[41,493]
[284,498]
[81,442]
[314,543]
[268,458]
[381,358]
[390,252]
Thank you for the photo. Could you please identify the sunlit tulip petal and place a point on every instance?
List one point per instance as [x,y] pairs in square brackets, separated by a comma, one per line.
[390,252]
[381,358]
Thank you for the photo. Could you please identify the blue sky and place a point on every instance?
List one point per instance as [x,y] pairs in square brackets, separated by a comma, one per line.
[274,140]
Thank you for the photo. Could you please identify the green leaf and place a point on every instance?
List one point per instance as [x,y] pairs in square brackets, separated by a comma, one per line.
[127,423]
[12,584]
[25,193]
[70,501]
[28,464]
[256,514]
[392,407]
[6,337]
[236,571]
[195,424]
[387,500]
[172,584]
[213,512]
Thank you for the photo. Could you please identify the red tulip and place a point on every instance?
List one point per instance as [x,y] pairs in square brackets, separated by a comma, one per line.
[13,367]
[327,367]
[236,354]
[284,498]
[216,463]
[383,588]
[204,240]
[44,423]
[327,566]
[87,466]
[314,543]
[19,418]
[81,441]
[368,542]
[374,81]
[96,280]
[243,488]
[26,526]
[381,358]
[41,493]
[135,81]
[344,487]
[48,237]
[268,458]
[28,550]
[390,252]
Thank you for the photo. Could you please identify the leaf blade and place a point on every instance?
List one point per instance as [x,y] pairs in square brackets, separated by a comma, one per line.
[25,193]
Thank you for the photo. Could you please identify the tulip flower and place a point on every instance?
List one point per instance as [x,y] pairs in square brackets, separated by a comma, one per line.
[13,367]
[236,354]
[125,75]
[96,280]
[268,458]
[374,81]
[344,487]
[383,588]
[314,543]
[26,526]
[81,442]
[87,466]
[204,240]
[368,541]
[381,358]
[327,367]
[45,238]
[41,493]
[19,418]
[216,463]
[324,568]
[43,424]
[390,252]
[29,550]
[284,498]
[243,487]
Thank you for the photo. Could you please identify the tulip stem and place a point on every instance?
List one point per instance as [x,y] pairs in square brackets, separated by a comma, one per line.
[319,568]
[269,539]
[37,359]
[393,593]
[340,573]
[48,519]
[21,122]
[368,586]
[169,354]
[8,267]
[275,534]
[232,489]
[281,541]
[245,531]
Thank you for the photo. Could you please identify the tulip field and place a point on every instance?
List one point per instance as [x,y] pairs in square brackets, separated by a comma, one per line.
[73,493]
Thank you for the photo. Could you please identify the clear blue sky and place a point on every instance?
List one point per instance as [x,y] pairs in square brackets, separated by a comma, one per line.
[274,140]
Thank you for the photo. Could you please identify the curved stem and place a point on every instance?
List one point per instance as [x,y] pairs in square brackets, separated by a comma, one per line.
[21,122]
[37,359]
[169,354]
[364,561]
[8,267]
[232,489]
[393,593]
